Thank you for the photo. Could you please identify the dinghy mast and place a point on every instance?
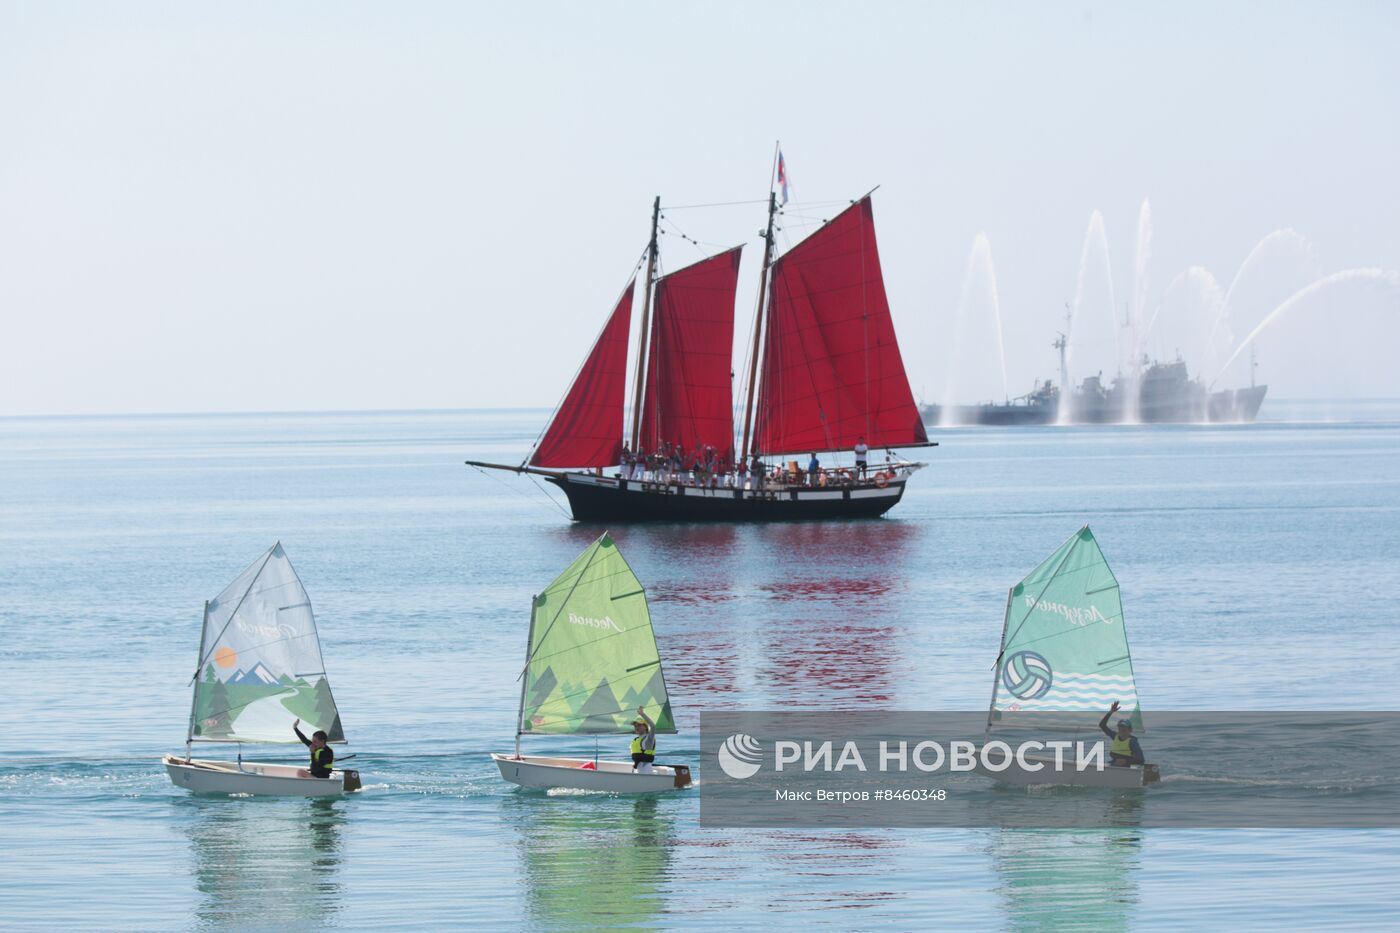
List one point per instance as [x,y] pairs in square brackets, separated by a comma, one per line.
[194,694]
[529,646]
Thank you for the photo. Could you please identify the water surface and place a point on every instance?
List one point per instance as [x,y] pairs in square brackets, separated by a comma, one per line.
[1259,566]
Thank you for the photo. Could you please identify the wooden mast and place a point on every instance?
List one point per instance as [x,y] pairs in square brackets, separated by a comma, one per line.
[643,340]
[758,322]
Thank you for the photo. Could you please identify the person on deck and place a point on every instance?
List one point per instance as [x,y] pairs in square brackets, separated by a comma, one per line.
[643,742]
[322,758]
[862,456]
[1125,749]
[814,468]
[756,473]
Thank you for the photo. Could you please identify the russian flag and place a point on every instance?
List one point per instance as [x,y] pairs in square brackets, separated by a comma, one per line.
[782,176]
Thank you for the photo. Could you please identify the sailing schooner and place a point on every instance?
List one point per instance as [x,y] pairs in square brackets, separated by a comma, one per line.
[825,363]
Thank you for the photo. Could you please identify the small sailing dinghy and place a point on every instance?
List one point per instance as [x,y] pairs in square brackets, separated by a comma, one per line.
[591,661]
[1064,660]
[259,671]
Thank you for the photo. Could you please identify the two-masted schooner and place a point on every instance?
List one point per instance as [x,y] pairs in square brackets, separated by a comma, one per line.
[825,375]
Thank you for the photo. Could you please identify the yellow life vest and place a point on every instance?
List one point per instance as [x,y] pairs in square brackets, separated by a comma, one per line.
[316,757]
[1122,747]
[637,746]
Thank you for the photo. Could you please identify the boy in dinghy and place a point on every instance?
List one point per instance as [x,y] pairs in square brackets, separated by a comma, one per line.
[643,742]
[322,758]
[1125,749]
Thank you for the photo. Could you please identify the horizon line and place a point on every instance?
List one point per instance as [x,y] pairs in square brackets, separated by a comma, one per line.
[281,412]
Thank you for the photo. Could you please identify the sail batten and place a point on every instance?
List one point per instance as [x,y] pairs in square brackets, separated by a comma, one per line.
[688,399]
[586,431]
[592,658]
[260,661]
[1064,648]
[832,370]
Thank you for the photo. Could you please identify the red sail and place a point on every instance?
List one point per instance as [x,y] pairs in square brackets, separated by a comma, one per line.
[832,372]
[688,393]
[587,428]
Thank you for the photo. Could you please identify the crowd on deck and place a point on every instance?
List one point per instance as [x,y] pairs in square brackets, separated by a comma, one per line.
[706,467]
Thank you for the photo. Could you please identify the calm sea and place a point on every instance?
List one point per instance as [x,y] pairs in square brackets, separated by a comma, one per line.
[1259,565]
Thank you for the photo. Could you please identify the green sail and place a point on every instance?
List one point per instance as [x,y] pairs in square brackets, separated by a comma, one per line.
[593,657]
[1063,646]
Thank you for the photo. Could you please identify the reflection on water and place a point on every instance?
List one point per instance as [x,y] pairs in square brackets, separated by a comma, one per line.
[866,547]
[266,863]
[1070,878]
[776,610]
[591,860]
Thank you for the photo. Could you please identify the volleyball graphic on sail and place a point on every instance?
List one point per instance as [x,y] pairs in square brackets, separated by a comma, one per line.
[1027,675]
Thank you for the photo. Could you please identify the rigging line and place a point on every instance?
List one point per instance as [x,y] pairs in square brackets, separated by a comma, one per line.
[229,709]
[284,639]
[512,489]
[205,659]
[686,207]
[530,656]
[677,231]
[589,691]
[553,501]
[627,631]
[1043,589]
[1102,665]
[557,405]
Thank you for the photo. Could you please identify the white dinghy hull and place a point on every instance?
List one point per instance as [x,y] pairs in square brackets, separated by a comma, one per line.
[1116,778]
[613,777]
[257,778]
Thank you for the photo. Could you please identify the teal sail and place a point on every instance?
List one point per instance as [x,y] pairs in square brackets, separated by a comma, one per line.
[1063,645]
[260,666]
[592,657]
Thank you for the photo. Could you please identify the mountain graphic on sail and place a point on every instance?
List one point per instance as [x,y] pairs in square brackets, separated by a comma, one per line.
[1064,648]
[593,658]
[587,429]
[260,665]
[832,370]
[688,398]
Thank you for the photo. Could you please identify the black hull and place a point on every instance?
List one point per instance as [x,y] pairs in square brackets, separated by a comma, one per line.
[603,499]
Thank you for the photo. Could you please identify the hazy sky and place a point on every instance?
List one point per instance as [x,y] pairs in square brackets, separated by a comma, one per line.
[330,206]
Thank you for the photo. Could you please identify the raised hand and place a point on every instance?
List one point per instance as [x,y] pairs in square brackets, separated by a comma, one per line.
[1114,708]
